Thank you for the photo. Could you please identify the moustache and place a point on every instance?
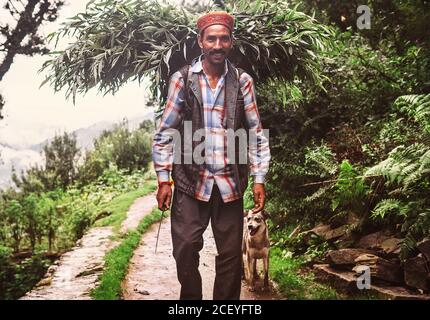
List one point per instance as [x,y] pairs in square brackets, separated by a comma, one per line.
[217,51]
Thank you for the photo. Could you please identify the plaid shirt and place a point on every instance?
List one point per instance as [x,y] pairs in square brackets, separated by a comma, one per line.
[216,168]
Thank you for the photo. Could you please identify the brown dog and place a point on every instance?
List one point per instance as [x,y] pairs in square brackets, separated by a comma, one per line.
[255,245]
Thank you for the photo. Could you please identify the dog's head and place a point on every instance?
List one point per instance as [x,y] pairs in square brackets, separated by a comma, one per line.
[255,222]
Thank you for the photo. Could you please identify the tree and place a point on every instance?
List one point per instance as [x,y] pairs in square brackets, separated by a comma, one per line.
[23,38]
[61,157]
[15,218]
[46,207]
[21,35]
[1,106]
[147,125]
[35,179]
[402,22]
[32,219]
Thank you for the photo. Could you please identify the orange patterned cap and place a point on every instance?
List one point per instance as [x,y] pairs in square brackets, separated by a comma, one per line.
[215,17]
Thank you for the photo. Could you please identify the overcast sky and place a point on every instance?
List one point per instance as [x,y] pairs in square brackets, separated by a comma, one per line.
[33,114]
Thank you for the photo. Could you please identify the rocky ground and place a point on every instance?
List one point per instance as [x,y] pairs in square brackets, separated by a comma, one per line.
[76,272]
[376,253]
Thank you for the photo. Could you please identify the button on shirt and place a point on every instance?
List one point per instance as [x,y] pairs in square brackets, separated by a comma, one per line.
[216,168]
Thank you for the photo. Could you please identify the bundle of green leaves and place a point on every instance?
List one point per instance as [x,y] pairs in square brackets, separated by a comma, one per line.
[118,41]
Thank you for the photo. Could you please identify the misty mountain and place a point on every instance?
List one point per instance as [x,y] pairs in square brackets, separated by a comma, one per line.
[85,136]
[22,158]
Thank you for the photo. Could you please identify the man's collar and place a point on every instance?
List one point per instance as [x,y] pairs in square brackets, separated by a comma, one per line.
[197,67]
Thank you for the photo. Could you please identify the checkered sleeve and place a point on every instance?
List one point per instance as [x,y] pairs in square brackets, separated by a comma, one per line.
[162,147]
[259,150]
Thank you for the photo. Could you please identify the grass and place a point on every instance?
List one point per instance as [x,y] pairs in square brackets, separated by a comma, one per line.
[293,283]
[117,260]
[119,206]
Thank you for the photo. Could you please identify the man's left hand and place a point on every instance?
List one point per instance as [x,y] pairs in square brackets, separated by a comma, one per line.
[259,197]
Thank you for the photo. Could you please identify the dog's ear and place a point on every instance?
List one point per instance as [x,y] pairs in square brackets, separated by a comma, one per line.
[245,213]
[265,215]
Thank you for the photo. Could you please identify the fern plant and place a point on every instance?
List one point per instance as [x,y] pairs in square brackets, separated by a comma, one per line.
[416,227]
[350,189]
[407,180]
[406,177]
[389,206]
[405,167]
[320,160]
[416,107]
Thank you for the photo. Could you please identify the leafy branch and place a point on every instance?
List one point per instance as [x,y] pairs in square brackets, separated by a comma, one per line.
[119,41]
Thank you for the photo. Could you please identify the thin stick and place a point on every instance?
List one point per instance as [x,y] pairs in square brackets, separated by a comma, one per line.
[336,180]
[158,233]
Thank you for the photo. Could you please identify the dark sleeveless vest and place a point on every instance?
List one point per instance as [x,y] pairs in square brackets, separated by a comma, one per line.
[186,176]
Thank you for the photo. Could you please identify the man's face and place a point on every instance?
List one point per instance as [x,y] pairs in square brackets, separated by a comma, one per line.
[216,43]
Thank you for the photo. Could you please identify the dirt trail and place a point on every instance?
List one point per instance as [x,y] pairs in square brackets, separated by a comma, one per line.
[75,274]
[140,208]
[152,276]
[77,271]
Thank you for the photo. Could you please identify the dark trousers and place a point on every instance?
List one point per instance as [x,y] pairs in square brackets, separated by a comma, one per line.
[189,219]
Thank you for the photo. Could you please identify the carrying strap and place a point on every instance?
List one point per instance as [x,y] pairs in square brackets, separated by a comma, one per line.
[186,74]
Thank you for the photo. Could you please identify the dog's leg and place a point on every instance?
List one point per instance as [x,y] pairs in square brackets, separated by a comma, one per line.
[243,267]
[256,276]
[266,272]
[248,267]
[244,251]
[252,274]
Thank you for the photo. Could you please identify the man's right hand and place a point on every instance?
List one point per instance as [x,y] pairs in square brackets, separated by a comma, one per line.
[164,196]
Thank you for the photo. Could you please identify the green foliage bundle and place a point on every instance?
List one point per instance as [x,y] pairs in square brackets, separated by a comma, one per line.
[119,41]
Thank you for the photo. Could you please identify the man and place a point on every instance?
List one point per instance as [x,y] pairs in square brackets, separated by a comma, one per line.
[213,96]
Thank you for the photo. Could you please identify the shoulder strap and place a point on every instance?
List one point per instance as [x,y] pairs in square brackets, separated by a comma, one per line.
[239,72]
[184,72]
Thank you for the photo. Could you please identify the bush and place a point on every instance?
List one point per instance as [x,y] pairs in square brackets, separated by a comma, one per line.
[126,150]
[17,278]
